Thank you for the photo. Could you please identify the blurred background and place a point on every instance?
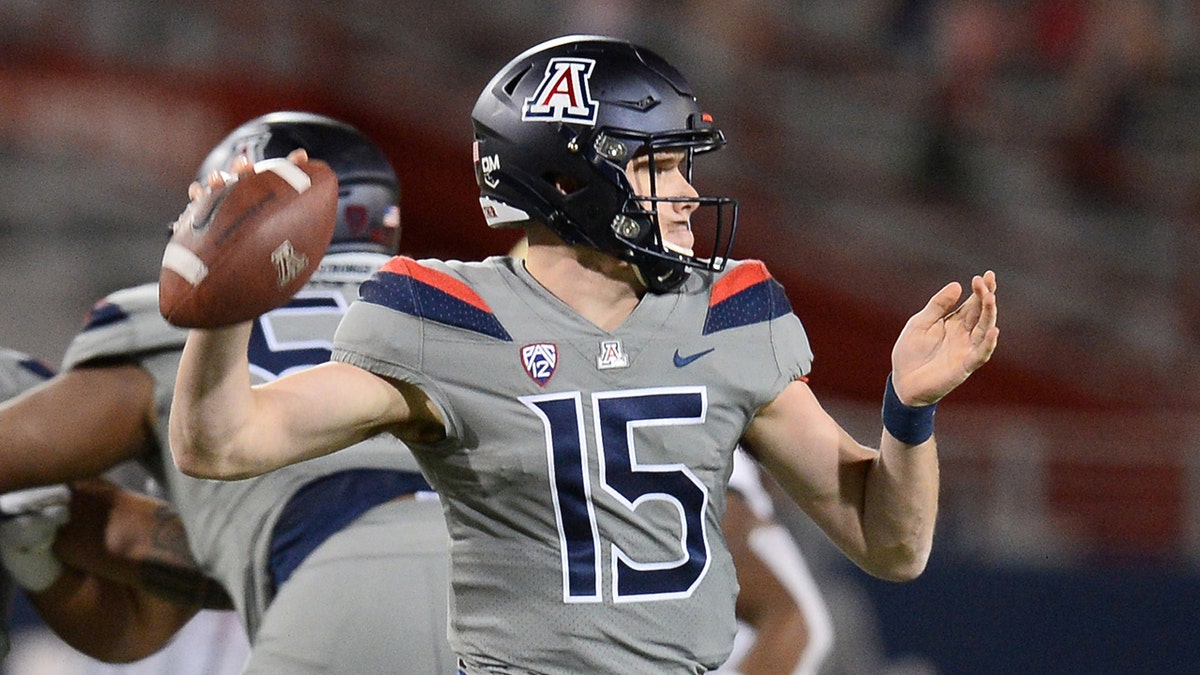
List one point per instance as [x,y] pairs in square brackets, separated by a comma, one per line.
[880,148]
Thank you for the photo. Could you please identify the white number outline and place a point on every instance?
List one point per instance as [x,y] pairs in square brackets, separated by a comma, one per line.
[337,306]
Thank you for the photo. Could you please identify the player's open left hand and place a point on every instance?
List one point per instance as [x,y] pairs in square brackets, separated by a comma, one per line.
[942,345]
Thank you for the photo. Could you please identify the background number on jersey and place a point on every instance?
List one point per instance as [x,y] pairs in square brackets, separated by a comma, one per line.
[630,483]
[273,356]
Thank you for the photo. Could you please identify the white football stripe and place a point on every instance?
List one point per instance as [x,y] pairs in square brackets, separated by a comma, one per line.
[286,170]
[180,260]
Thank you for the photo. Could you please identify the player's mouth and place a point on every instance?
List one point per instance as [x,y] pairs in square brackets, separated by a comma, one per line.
[678,238]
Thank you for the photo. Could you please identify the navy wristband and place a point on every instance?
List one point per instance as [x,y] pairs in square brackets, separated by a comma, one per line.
[909,425]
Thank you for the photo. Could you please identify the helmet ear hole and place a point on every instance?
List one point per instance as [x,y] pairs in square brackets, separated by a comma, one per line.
[565,184]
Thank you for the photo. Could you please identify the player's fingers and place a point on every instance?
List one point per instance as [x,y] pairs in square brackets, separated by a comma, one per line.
[298,156]
[970,313]
[939,306]
[988,312]
[972,309]
[982,352]
[242,165]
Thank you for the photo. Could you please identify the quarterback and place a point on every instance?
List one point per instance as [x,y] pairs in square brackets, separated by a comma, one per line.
[577,410]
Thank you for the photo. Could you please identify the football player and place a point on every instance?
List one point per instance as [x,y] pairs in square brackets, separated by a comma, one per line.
[335,565]
[18,372]
[783,623]
[105,524]
[577,410]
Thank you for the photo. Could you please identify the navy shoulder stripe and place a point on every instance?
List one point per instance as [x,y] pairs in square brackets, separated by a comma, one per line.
[748,294]
[409,287]
[37,368]
[103,314]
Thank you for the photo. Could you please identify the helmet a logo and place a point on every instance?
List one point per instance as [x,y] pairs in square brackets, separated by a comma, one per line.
[251,147]
[563,95]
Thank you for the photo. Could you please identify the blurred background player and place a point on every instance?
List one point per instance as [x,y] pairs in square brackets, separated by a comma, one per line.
[18,372]
[784,626]
[211,643]
[311,556]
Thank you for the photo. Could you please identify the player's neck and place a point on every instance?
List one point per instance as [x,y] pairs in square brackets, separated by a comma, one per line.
[602,289]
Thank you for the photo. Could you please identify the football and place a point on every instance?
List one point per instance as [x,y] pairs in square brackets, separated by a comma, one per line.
[247,248]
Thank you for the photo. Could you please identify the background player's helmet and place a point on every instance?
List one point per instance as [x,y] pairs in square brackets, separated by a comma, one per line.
[368,215]
[554,130]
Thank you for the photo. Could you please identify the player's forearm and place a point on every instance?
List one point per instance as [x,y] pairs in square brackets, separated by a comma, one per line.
[213,402]
[136,540]
[899,509]
[107,620]
[109,407]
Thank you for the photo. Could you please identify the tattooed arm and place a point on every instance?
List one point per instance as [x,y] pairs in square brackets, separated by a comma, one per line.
[129,581]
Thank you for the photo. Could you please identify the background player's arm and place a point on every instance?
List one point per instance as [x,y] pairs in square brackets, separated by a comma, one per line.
[79,423]
[128,582]
[879,507]
[221,427]
[764,603]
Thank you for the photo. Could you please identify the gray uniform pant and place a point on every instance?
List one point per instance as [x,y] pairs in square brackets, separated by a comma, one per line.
[370,599]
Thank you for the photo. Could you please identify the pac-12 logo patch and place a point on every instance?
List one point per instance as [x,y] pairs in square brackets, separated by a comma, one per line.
[563,95]
[540,359]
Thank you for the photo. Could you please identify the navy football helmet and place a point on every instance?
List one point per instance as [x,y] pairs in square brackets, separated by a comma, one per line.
[554,131]
[368,215]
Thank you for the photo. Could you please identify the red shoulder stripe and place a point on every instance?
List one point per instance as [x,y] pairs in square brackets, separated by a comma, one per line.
[445,283]
[745,275]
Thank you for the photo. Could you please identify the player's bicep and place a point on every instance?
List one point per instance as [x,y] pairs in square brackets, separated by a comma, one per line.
[330,406]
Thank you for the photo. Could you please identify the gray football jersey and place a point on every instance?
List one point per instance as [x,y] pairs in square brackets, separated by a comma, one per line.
[229,523]
[584,475]
[18,372]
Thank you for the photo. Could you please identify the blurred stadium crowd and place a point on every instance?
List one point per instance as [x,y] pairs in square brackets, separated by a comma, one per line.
[878,147]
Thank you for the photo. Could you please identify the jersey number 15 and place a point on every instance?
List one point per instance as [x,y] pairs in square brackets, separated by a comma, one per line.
[617,415]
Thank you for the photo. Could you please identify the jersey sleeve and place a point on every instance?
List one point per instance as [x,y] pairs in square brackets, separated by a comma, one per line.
[126,323]
[19,371]
[385,329]
[746,296]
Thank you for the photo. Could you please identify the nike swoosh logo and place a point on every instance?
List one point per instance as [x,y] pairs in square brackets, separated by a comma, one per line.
[681,361]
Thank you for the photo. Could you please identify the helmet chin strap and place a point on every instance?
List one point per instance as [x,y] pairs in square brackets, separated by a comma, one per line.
[676,248]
